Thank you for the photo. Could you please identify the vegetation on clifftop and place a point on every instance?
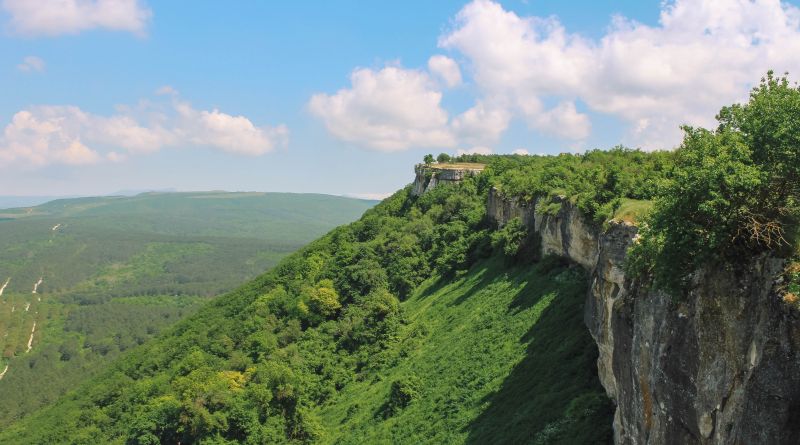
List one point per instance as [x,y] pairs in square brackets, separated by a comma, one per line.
[598,182]
[733,193]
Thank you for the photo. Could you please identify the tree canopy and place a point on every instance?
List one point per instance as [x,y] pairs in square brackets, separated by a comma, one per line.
[733,191]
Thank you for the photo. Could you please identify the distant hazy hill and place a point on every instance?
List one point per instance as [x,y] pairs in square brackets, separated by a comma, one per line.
[113,271]
[7,202]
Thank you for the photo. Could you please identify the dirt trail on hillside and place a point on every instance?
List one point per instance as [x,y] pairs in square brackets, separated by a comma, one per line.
[3,374]
[55,227]
[27,306]
[30,340]
[4,286]
[36,285]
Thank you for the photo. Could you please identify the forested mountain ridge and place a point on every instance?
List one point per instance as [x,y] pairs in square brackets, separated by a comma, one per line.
[282,358]
[85,279]
[457,315]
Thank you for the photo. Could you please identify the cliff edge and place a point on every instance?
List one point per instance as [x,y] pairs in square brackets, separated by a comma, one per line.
[428,176]
[721,367]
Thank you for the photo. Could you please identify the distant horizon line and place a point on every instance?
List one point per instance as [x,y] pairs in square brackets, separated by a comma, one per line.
[21,201]
[173,190]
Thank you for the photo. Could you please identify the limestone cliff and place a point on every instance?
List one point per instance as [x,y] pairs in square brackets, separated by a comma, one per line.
[429,176]
[721,367]
[565,233]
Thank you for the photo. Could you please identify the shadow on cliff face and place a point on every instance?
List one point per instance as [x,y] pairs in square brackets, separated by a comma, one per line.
[553,395]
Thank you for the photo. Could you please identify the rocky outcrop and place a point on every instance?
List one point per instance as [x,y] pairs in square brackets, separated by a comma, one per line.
[564,232]
[429,176]
[721,366]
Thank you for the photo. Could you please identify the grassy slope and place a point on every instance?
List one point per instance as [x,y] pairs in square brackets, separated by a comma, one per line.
[633,210]
[502,355]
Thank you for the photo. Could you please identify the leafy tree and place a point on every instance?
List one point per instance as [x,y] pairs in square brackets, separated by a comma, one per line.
[324,300]
[443,158]
[769,126]
[516,241]
[732,193]
[428,159]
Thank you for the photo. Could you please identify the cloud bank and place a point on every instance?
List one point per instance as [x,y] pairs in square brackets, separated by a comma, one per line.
[389,109]
[57,17]
[701,55]
[54,134]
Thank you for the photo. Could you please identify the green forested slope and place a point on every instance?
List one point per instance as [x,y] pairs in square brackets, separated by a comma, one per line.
[115,271]
[403,327]
[497,356]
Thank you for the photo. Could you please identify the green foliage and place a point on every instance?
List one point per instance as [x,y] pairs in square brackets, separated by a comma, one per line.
[443,158]
[597,181]
[118,271]
[324,299]
[516,241]
[501,355]
[428,159]
[325,334]
[402,393]
[732,193]
[633,210]
[794,277]
[791,294]
[509,239]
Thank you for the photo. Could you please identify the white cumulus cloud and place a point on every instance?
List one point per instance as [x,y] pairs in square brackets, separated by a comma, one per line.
[563,121]
[31,64]
[235,134]
[388,110]
[445,69]
[56,17]
[48,134]
[482,124]
[701,55]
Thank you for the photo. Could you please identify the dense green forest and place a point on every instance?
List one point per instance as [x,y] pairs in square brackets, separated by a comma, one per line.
[422,322]
[359,338]
[113,272]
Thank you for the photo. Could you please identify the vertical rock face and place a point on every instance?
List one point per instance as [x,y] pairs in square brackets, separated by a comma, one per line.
[429,176]
[565,233]
[719,367]
[421,181]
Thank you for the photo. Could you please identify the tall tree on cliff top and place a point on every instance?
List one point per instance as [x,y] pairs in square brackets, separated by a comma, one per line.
[733,192]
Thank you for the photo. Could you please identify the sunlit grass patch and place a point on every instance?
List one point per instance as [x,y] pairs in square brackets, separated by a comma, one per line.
[632,210]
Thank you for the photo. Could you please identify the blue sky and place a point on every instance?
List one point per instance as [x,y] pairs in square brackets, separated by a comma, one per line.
[343,97]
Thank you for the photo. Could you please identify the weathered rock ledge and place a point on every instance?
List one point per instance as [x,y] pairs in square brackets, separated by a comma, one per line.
[722,367]
[429,176]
